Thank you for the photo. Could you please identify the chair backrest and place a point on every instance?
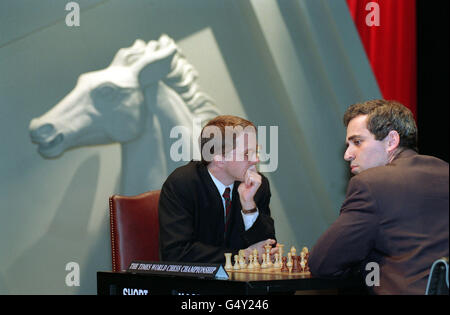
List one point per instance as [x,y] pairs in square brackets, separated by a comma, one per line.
[134,229]
[438,278]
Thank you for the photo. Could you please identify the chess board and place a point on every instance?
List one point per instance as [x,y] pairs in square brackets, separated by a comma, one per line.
[291,266]
[271,271]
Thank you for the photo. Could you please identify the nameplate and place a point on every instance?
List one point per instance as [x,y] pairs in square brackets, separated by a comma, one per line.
[198,270]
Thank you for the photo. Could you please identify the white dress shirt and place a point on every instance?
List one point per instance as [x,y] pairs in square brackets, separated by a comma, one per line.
[250,218]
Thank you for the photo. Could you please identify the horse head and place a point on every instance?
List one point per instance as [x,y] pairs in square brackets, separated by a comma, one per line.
[108,105]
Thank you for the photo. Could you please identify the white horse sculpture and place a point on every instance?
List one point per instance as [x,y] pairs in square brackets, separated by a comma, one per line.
[146,91]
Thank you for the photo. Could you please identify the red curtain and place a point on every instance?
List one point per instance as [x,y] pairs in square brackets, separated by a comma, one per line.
[391,46]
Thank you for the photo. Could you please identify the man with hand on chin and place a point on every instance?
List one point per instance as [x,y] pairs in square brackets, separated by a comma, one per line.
[220,204]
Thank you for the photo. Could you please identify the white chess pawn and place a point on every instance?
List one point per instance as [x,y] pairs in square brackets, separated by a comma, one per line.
[242,262]
[236,263]
[250,262]
[264,262]
[302,261]
[256,264]
[289,262]
[256,254]
[277,264]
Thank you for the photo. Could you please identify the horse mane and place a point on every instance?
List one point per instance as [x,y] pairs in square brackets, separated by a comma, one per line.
[182,76]
[183,80]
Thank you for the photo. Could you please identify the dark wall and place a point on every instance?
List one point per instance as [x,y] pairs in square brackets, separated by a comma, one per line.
[433,77]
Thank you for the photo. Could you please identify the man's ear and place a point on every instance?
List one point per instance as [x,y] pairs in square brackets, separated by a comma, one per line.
[393,140]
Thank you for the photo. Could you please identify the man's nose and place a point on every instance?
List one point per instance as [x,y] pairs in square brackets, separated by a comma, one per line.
[254,159]
[349,155]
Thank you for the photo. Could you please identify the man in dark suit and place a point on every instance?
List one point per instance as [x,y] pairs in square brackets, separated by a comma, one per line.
[394,221]
[220,204]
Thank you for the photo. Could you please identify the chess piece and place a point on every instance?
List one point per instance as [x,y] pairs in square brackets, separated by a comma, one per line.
[236,263]
[228,265]
[284,267]
[250,265]
[289,260]
[277,264]
[256,264]
[302,261]
[267,247]
[256,254]
[295,264]
[306,251]
[293,251]
[242,262]
[269,261]
[280,249]
[264,262]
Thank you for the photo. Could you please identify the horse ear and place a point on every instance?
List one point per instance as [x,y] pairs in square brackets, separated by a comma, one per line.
[155,65]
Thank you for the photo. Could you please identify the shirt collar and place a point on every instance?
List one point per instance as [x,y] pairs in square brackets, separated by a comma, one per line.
[221,187]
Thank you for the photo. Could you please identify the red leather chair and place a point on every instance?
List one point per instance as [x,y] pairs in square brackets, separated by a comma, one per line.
[134,229]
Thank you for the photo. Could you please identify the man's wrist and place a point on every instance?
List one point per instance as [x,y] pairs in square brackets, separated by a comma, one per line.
[249,211]
[248,205]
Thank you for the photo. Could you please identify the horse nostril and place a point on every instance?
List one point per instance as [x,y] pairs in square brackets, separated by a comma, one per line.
[43,131]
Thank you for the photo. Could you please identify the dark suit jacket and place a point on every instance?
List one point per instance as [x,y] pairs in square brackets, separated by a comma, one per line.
[395,215]
[191,218]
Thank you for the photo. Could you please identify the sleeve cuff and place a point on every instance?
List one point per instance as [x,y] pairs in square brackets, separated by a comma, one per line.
[249,218]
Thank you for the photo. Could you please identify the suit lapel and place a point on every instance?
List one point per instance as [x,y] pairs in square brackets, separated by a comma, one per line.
[213,199]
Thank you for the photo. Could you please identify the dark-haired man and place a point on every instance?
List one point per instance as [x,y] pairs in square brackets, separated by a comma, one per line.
[219,204]
[395,217]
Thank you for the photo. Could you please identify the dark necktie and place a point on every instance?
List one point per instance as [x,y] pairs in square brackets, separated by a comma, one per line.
[226,196]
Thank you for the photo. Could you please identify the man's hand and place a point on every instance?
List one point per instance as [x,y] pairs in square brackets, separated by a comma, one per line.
[260,247]
[248,188]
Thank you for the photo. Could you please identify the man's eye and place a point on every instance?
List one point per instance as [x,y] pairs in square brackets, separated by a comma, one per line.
[357,142]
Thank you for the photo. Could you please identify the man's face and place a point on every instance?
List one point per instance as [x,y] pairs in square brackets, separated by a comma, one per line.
[363,150]
[244,156]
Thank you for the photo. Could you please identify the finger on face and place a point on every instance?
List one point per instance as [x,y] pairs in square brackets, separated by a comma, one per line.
[252,168]
[248,180]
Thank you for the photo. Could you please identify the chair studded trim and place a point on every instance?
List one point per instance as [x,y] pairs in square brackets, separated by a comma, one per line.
[112,230]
